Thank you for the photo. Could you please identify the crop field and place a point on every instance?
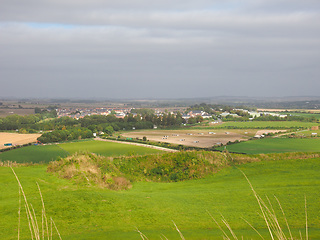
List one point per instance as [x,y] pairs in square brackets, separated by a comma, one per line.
[192,137]
[107,148]
[307,115]
[82,212]
[47,153]
[276,145]
[17,138]
[262,125]
[33,154]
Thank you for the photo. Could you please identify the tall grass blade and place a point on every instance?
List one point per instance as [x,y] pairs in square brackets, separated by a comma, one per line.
[260,202]
[182,237]
[19,214]
[228,226]
[29,223]
[253,228]
[44,216]
[305,207]
[143,237]
[284,216]
[164,237]
[56,228]
[224,233]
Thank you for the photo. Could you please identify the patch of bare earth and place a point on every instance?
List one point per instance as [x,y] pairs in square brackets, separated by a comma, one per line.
[17,139]
[196,138]
[265,131]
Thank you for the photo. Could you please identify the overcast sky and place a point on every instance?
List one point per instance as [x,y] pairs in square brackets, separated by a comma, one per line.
[159,48]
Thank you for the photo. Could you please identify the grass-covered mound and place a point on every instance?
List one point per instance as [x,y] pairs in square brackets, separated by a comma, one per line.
[119,172]
[90,169]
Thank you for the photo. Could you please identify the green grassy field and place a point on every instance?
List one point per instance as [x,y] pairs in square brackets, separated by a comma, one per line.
[276,145]
[94,213]
[34,154]
[263,125]
[306,115]
[47,153]
[107,148]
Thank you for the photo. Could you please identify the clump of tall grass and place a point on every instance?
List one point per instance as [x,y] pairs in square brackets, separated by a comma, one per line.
[38,231]
[272,221]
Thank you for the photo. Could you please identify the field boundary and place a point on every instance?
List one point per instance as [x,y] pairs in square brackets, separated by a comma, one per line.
[138,144]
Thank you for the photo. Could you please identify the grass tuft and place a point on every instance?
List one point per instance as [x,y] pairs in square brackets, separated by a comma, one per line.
[36,232]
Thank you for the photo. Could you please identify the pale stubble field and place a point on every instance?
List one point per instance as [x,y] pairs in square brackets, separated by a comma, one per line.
[16,138]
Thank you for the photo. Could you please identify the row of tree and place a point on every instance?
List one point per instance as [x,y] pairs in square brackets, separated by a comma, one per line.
[65,135]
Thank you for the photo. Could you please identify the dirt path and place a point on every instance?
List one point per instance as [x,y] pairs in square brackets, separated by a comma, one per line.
[138,144]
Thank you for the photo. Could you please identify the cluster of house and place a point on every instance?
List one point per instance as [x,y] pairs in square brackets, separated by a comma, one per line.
[195,113]
[77,113]
[122,112]
[252,114]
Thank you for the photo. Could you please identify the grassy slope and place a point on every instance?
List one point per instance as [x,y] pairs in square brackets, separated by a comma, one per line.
[83,213]
[276,145]
[33,154]
[107,148]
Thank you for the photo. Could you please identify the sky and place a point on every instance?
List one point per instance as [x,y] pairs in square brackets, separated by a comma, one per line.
[159,48]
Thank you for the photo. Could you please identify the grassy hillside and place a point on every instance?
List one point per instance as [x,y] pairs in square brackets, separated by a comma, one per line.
[82,212]
[276,145]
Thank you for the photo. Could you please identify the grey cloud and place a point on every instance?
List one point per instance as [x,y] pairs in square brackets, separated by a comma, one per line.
[164,49]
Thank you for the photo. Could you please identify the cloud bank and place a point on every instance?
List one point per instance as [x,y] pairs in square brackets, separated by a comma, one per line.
[159,49]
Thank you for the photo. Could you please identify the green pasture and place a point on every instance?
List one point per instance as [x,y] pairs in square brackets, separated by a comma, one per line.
[263,125]
[107,148]
[33,154]
[94,213]
[47,153]
[306,115]
[276,145]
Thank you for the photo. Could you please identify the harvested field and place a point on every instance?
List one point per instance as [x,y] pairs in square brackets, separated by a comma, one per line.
[16,138]
[10,111]
[196,138]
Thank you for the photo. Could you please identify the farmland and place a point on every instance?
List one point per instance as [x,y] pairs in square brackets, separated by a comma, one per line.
[107,148]
[33,154]
[82,212]
[262,125]
[9,111]
[184,187]
[192,137]
[16,138]
[276,145]
[47,153]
